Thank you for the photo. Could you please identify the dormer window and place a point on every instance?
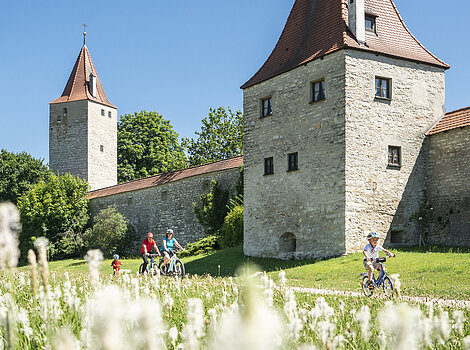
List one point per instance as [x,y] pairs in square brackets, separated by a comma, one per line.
[370,23]
[92,85]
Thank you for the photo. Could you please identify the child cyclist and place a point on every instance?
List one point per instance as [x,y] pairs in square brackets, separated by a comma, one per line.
[371,252]
[168,244]
[116,264]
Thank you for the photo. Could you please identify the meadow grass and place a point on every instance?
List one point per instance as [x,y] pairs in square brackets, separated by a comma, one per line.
[437,272]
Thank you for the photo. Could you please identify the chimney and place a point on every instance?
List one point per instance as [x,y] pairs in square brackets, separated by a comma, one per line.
[92,85]
[356,19]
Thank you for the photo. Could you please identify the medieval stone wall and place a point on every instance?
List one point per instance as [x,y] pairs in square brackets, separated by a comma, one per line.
[296,213]
[166,206]
[448,188]
[380,197]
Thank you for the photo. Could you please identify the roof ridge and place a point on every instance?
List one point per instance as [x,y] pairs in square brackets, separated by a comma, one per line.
[415,39]
[458,110]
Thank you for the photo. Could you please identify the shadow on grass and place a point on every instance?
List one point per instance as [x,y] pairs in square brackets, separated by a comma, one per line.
[434,249]
[226,262]
[76,263]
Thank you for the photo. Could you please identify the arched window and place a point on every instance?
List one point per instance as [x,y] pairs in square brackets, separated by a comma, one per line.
[287,243]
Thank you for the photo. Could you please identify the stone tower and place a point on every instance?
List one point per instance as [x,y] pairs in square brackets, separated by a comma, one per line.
[334,125]
[83,128]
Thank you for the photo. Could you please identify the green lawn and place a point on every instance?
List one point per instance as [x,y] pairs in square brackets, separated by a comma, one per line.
[434,272]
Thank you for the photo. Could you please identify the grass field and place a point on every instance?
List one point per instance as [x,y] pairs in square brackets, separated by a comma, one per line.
[427,271]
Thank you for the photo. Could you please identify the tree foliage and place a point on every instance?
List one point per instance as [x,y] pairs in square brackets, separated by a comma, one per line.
[147,145]
[231,232]
[109,231]
[18,173]
[221,137]
[53,209]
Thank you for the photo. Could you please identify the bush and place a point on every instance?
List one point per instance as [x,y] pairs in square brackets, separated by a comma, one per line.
[201,246]
[231,233]
[108,231]
[211,212]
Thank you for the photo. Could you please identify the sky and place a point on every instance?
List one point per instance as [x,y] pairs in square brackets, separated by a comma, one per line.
[178,58]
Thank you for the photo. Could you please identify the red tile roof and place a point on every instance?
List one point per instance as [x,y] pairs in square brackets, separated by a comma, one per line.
[452,120]
[316,28]
[164,178]
[77,85]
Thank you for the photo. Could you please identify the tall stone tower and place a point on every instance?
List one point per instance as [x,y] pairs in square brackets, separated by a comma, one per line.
[83,128]
[334,125]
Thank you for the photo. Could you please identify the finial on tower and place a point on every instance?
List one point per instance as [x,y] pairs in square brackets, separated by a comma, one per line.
[84,33]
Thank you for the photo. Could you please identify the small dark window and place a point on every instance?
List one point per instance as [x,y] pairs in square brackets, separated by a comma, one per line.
[318,90]
[101,148]
[206,186]
[268,166]
[397,236]
[59,118]
[370,23]
[394,155]
[164,195]
[102,112]
[109,114]
[65,112]
[292,161]
[382,87]
[266,107]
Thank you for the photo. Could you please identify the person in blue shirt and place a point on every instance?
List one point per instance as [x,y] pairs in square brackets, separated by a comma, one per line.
[169,242]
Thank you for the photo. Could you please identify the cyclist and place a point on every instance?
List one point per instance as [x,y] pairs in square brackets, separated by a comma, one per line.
[146,249]
[371,252]
[116,264]
[168,244]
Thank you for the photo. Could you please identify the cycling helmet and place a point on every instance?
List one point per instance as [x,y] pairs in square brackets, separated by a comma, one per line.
[169,231]
[150,235]
[372,235]
[116,257]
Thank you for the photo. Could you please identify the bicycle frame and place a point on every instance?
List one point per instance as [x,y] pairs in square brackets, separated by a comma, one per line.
[380,279]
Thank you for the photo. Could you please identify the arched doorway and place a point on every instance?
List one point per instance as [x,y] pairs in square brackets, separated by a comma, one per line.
[287,245]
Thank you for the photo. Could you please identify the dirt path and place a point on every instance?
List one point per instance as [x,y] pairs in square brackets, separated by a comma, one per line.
[418,300]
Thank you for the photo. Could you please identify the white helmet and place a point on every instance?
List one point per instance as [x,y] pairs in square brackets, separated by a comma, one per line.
[169,231]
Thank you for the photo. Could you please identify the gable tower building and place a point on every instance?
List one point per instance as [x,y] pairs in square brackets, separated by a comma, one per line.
[334,126]
[83,127]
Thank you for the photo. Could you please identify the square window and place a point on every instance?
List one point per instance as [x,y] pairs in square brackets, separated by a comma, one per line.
[164,195]
[268,166]
[266,107]
[394,156]
[101,148]
[109,114]
[318,90]
[292,161]
[370,23]
[397,236]
[102,112]
[382,87]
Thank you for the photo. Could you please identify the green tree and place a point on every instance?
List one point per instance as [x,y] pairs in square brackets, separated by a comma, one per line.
[147,145]
[221,137]
[53,209]
[18,173]
[231,232]
[109,230]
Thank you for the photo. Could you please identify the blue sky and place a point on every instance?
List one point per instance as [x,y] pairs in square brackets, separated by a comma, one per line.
[178,58]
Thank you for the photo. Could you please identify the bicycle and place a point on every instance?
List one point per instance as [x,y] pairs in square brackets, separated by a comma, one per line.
[384,281]
[174,267]
[152,268]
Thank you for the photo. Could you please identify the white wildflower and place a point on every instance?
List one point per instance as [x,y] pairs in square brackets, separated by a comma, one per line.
[363,317]
[459,320]
[42,244]
[65,340]
[194,328]
[173,335]
[9,225]
[94,258]
[466,342]
[282,278]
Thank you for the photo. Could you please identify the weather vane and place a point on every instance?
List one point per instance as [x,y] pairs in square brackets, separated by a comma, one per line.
[84,33]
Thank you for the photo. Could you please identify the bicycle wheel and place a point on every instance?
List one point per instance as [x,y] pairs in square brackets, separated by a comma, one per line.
[365,287]
[163,269]
[141,268]
[178,268]
[387,285]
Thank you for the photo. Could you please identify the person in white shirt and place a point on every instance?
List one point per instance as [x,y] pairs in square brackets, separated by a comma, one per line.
[371,252]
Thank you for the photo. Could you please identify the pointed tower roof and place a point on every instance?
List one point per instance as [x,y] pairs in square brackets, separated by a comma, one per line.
[316,28]
[77,87]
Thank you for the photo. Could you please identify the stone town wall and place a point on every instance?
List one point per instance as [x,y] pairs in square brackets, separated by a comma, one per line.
[379,197]
[448,188]
[102,146]
[68,138]
[166,206]
[307,203]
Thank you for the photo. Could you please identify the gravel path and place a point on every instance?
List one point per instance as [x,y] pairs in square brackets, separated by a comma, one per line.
[418,300]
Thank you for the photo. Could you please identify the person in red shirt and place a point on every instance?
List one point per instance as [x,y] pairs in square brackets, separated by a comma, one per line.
[116,264]
[146,249]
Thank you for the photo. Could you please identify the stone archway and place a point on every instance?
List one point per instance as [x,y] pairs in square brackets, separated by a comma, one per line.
[287,245]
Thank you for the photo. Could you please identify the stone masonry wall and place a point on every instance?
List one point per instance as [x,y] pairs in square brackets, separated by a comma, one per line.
[68,138]
[166,206]
[102,146]
[448,187]
[307,204]
[379,197]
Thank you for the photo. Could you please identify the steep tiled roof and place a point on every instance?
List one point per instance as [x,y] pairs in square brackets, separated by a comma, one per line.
[77,85]
[164,178]
[452,120]
[316,28]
